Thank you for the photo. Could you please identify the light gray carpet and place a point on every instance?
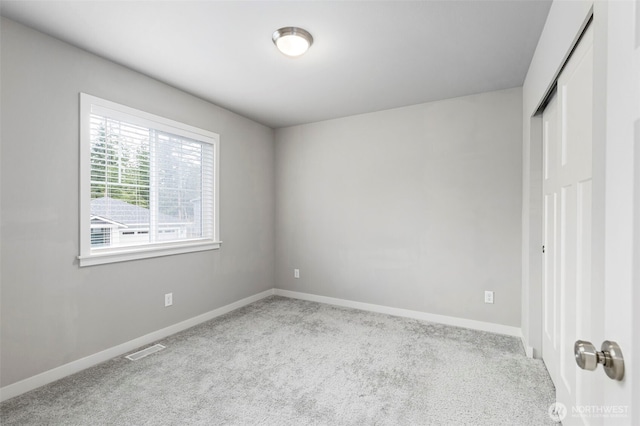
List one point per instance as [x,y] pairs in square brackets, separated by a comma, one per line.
[282,361]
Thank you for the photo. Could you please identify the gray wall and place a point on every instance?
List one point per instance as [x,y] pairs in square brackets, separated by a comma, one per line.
[52,311]
[416,208]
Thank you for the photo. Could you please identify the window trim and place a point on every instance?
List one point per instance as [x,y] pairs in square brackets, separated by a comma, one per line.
[98,256]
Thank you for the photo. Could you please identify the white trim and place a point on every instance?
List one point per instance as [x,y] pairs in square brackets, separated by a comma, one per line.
[528,350]
[135,116]
[84,223]
[424,316]
[73,367]
[146,252]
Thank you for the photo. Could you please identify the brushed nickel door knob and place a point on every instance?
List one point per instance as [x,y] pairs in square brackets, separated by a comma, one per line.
[610,356]
[586,355]
[614,365]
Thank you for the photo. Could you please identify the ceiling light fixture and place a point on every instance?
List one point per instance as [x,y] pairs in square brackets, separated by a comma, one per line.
[292,41]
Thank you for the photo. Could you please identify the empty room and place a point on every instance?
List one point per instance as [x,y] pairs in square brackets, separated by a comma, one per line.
[319,212]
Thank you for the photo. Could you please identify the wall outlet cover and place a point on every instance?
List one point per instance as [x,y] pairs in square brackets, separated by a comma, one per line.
[488,297]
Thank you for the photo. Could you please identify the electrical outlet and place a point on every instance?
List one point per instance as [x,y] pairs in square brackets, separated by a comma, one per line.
[488,297]
[296,273]
[168,299]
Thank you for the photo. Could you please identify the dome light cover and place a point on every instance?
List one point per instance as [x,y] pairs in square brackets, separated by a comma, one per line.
[292,41]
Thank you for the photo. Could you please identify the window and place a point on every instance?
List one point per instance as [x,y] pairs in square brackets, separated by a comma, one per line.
[148,185]
[100,237]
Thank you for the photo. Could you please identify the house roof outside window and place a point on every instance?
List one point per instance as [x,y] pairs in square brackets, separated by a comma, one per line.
[110,210]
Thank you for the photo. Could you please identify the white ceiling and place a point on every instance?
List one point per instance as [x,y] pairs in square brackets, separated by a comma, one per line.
[367,55]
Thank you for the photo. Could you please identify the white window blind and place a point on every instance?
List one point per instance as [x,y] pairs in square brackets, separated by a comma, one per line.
[151,184]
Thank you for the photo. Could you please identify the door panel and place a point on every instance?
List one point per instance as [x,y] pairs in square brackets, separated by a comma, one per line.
[621,99]
[598,281]
[567,187]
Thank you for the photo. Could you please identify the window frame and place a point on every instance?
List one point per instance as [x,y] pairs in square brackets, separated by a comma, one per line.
[89,256]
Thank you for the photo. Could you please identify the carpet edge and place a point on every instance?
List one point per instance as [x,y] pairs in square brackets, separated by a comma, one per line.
[406,313]
[57,373]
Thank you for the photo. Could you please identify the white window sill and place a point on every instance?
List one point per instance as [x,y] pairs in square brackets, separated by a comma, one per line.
[134,253]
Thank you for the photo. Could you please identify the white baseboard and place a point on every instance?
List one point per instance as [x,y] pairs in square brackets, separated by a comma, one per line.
[73,367]
[424,316]
[528,350]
